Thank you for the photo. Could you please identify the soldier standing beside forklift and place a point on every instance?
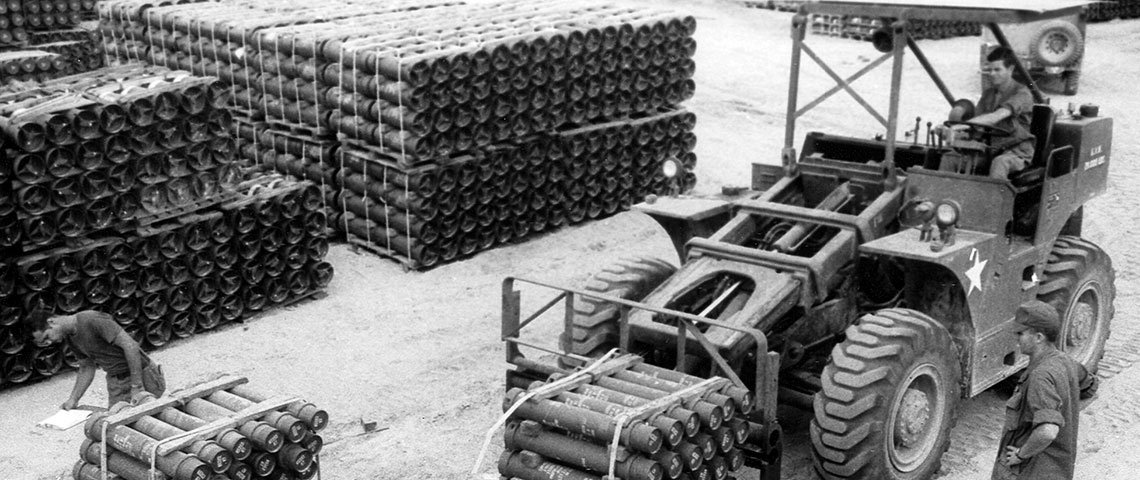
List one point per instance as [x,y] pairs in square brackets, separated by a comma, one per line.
[100,342]
[1040,434]
[1007,105]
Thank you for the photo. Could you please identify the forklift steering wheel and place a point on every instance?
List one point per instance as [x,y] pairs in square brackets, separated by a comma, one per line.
[983,130]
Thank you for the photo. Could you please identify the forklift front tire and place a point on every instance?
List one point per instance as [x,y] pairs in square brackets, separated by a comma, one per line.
[888,399]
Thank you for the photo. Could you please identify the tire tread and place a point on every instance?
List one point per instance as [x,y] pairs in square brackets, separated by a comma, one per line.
[858,384]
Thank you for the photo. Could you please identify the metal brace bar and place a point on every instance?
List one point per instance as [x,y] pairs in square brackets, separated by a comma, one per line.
[834,76]
[756,335]
[921,57]
[540,311]
[837,88]
[178,398]
[241,416]
[524,343]
[720,361]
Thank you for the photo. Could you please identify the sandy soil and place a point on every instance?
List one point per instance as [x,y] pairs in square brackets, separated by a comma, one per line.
[418,353]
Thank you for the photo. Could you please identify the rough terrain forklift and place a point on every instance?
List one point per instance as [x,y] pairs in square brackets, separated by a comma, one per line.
[861,281]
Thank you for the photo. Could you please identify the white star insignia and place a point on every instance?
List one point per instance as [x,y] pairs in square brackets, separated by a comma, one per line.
[974,274]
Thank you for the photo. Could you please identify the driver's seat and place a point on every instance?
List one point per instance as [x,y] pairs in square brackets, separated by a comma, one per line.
[1028,182]
[1041,127]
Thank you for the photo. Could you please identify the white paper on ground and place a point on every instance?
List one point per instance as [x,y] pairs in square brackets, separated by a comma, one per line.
[64,419]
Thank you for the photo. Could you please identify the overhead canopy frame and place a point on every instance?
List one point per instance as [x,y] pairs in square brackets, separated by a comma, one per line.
[980,11]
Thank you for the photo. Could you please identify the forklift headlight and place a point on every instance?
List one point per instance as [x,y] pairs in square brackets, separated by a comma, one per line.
[670,168]
[946,214]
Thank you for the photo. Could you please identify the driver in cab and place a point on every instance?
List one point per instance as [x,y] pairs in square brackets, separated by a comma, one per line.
[1006,105]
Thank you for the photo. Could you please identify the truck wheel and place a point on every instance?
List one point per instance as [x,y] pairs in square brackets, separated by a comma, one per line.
[888,399]
[1078,281]
[1056,44]
[595,328]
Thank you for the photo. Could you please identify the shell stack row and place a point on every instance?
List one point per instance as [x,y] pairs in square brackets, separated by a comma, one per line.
[44,39]
[861,28]
[93,152]
[283,442]
[567,431]
[410,89]
[173,279]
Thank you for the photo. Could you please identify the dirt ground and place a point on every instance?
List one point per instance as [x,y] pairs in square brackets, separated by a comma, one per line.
[419,354]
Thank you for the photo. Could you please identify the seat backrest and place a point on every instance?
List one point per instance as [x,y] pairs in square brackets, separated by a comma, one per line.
[1041,127]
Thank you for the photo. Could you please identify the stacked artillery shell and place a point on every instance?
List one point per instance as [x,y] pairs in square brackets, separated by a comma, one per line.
[1102,12]
[12,20]
[174,279]
[861,28]
[483,77]
[34,27]
[571,432]
[20,360]
[222,39]
[472,76]
[282,443]
[297,155]
[418,91]
[436,213]
[10,232]
[89,154]
[32,65]
[280,239]
[60,168]
[80,48]
[784,5]
[46,15]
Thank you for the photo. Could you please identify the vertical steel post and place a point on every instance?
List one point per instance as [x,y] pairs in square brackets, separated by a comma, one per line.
[799,29]
[901,36]
[510,319]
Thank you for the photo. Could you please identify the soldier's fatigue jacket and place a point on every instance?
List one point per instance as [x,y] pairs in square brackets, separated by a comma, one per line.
[1016,98]
[1047,392]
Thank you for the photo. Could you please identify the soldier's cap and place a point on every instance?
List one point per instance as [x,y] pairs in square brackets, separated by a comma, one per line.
[1039,316]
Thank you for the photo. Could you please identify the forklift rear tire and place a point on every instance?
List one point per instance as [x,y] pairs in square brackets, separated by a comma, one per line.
[595,329]
[888,399]
[1078,281]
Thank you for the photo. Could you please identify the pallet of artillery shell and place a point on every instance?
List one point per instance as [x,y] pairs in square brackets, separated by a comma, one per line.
[756,4]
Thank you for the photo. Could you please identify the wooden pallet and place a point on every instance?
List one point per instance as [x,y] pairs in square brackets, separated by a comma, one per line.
[356,243]
[315,133]
[393,158]
[143,221]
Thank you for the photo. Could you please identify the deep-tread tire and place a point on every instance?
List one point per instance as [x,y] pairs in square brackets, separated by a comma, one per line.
[1078,280]
[595,327]
[892,361]
[1065,35]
